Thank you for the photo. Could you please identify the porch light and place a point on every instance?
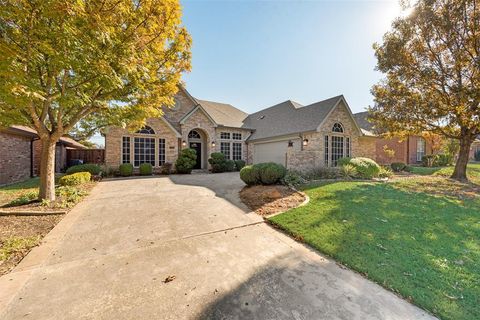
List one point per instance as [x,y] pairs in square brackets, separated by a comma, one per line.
[305,142]
[290,143]
[184,143]
[213,143]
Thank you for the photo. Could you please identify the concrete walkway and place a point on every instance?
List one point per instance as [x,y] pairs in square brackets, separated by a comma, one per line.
[109,257]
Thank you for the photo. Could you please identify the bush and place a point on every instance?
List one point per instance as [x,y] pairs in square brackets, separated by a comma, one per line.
[68,196]
[250,175]
[443,160]
[239,164]
[348,171]
[385,172]
[93,169]
[186,161]
[146,169]
[429,160]
[218,162]
[166,168]
[75,179]
[271,173]
[230,165]
[319,173]
[343,161]
[398,166]
[366,168]
[293,178]
[408,169]
[477,155]
[126,169]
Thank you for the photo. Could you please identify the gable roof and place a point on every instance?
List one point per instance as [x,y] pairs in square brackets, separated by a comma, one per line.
[289,117]
[224,114]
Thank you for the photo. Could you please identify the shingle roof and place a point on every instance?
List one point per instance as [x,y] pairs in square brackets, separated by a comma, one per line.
[223,114]
[69,142]
[289,118]
[367,127]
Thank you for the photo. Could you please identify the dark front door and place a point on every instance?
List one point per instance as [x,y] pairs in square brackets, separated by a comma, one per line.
[197,146]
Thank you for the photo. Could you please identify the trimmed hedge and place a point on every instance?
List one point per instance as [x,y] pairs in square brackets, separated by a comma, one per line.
[398,166]
[186,161]
[126,169]
[239,164]
[75,179]
[146,169]
[230,165]
[366,167]
[93,169]
[263,173]
[218,162]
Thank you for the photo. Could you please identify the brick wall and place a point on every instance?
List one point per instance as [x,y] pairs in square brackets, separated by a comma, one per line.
[14,158]
[399,148]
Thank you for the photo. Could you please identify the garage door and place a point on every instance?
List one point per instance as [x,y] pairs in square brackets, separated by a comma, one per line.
[273,151]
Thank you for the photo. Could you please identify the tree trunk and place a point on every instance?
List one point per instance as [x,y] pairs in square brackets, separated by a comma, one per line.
[47,169]
[460,171]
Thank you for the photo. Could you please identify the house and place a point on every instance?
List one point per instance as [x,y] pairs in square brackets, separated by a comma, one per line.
[288,133]
[20,151]
[475,148]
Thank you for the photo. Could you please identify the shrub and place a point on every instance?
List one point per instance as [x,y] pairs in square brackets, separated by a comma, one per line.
[249,175]
[186,161]
[366,168]
[319,173]
[385,172]
[166,168]
[126,169]
[477,155]
[230,165]
[75,179]
[398,166]
[271,173]
[68,196]
[408,169]
[343,161]
[429,160]
[94,169]
[218,162]
[443,160]
[348,171]
[293,178]
[146,169]
[239,164]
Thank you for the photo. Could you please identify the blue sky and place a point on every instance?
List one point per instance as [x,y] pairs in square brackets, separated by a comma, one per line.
[254,54]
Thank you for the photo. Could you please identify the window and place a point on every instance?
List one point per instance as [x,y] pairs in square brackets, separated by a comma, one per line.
[236,136]
[327,155]
[337,127]
[194,135]
[347,147]
[420,149]
[144,151]
[237,151]
[337,149]
[161,151]
[146,130]
[224,135]
[125,149]
[225,149]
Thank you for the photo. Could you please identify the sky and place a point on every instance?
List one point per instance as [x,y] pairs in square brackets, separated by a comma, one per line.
[255,54]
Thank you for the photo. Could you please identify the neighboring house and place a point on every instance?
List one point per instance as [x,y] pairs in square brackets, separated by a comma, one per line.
[20,151]
[475,148]
[410,149]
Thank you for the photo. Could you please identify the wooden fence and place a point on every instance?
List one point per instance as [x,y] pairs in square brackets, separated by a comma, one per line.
[87,155]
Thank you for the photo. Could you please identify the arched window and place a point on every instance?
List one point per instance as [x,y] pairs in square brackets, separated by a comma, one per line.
[146,130]
[194,135]
[337,127]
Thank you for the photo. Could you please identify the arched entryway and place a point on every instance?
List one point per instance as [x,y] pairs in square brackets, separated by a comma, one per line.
[197,140]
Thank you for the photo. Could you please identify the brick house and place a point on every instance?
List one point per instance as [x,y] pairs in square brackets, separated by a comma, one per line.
[20,151]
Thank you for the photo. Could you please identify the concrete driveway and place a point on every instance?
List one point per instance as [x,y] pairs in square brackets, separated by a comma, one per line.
[109,257]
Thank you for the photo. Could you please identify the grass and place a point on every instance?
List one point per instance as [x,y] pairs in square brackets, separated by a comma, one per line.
[420,242]
[14,191]
[473,171]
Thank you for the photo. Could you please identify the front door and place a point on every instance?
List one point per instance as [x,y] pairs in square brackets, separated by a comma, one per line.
[197,146]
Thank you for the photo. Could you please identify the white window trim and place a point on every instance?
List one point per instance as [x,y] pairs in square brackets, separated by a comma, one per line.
[330,147]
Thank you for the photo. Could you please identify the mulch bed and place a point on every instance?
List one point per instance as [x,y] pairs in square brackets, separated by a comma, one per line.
[23,227]
[267,200]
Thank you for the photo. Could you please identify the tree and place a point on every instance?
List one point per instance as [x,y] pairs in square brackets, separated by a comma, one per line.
[62,62]
[432,65]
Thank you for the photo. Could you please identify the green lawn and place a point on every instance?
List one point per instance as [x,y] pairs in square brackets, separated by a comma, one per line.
[424,246]
[473,171]
[13,191]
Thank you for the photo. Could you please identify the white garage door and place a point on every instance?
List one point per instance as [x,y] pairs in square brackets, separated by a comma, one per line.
[273,151]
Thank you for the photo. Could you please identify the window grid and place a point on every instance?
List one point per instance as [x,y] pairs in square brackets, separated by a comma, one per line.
[225,149]
[337,149]
[224,135]
[146,130]
[144,151]
[347,147]
[194,135]
[326,151]
[125,149]
[420,149]
[236,136]
[237,151]
[161,151]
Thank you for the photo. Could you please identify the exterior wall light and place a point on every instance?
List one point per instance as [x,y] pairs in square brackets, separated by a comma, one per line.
[290,143]
[305,142]
[184,143]
[213,144]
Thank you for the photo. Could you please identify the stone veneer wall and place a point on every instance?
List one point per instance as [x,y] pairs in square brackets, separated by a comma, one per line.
[113,142]
[14,158]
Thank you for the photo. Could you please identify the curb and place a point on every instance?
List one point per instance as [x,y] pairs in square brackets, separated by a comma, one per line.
[31,213]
